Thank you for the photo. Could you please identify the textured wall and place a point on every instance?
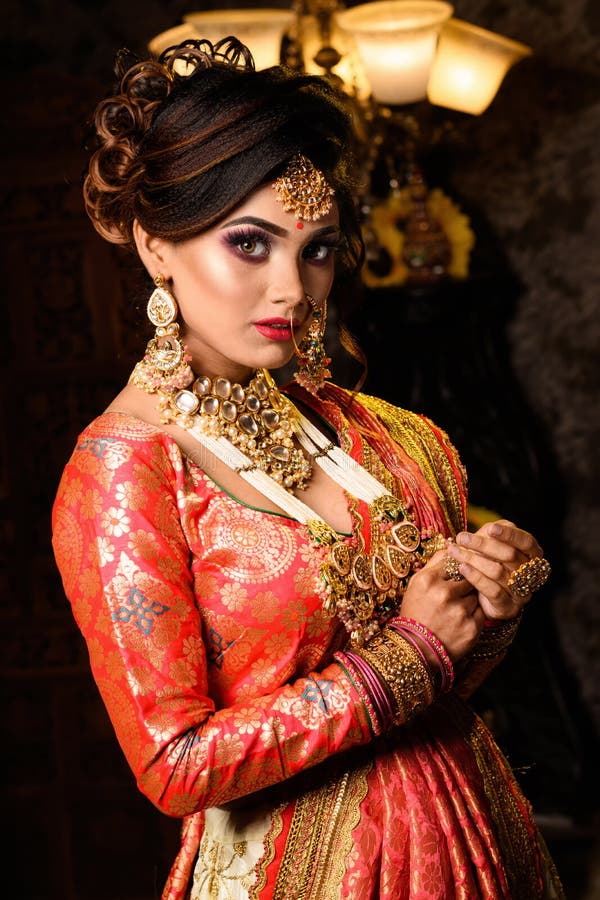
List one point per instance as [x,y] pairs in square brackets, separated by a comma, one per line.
[535,171]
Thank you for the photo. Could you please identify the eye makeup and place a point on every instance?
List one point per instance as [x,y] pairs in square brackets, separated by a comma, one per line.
[253,243]
[249,242]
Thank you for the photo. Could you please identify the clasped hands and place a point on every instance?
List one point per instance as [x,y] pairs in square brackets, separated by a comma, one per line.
[487,559]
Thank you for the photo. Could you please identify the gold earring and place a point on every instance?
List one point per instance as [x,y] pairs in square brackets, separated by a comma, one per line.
[313,361]
[165,363]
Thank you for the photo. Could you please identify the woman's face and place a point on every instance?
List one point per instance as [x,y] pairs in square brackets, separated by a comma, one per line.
[239,283]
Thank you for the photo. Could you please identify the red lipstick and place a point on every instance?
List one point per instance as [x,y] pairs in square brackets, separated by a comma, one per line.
[276,329]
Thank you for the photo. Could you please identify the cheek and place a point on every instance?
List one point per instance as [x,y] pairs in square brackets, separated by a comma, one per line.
[320,279]
[211,278]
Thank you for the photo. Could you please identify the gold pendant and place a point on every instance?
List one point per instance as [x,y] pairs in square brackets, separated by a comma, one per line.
[406,535]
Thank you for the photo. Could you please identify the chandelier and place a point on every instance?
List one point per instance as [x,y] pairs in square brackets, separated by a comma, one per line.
[394,60]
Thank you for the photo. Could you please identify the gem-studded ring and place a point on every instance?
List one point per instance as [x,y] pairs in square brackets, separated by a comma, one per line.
[451,569]
[529,577]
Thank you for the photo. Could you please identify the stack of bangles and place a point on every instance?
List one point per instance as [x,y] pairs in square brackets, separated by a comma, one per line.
[393,675]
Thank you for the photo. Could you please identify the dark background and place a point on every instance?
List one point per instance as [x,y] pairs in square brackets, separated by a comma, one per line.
[506,363]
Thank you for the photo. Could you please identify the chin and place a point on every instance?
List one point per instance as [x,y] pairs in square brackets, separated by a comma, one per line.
[275,359]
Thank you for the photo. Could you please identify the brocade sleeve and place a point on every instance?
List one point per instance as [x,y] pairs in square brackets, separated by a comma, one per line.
[126,569]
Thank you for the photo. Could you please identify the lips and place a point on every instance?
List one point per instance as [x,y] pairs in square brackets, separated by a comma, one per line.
[276,329]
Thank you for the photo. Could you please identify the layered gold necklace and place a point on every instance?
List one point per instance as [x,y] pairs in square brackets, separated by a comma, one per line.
[258,432]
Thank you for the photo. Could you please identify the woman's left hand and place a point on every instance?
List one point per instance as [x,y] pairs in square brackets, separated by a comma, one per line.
[487,559]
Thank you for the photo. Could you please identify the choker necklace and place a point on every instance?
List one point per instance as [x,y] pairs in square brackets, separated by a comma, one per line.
[257,419]
[251,430]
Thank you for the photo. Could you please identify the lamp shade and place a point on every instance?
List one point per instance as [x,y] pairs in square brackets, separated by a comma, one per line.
[470,65]
[396,40]
[261,30]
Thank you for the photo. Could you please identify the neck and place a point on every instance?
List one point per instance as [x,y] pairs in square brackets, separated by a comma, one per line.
[236,374]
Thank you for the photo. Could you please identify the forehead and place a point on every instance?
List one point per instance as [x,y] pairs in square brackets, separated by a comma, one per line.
[265,204]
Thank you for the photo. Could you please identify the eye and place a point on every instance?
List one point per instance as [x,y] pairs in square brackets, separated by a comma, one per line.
[251,244]
[319,251]
[251,247]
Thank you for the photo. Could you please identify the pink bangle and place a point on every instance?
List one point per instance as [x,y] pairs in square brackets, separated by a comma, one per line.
[371,685]
[357,681]
[377,689]
[404,625]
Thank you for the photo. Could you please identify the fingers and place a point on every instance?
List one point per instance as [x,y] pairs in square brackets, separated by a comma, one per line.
[490,578]
[437,567]
[450,609]
[493,612]
[502,540]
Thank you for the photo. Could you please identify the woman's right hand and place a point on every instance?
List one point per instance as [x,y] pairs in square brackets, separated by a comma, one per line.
[450,609]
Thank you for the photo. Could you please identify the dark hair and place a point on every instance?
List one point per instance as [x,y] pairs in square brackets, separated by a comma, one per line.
[180,151]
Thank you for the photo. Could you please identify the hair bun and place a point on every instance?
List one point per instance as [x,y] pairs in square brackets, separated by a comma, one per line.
[123,120]
[183,59]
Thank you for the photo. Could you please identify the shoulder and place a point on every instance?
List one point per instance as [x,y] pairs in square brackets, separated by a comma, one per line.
[428,445]
[117,446]
[404,426]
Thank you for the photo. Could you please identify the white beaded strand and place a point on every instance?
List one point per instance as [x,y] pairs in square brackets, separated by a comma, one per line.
[338,464]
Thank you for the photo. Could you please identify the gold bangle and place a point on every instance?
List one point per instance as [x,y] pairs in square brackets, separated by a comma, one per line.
[496,639]
[402,671]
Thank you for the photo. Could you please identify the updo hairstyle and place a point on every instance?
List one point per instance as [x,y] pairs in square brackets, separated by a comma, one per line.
[178,151]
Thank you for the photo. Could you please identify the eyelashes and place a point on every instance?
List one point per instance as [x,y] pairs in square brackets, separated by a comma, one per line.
[256,244]
[250,242]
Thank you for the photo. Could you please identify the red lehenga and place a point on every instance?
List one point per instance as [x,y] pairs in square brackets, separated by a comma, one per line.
[210,648]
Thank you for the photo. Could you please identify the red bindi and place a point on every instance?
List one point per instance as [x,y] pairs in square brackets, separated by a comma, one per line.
[299,225]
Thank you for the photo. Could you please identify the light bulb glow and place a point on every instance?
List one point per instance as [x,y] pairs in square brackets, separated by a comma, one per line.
[396,40]
[470,65]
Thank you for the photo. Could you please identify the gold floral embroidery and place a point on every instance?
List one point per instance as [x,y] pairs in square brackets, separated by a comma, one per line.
[249,546]
[265,606]
[131,495]
[229,749]
[91,503]
[234,596]
[73,491]
[143,545]
[218,861]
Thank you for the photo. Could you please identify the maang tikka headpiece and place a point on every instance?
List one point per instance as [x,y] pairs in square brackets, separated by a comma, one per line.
[303,189]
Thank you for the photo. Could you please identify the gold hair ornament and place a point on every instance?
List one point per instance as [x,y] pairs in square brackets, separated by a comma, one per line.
[303,189]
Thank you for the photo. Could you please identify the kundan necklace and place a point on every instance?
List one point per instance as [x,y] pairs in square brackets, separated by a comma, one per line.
[257,419]
[253,431]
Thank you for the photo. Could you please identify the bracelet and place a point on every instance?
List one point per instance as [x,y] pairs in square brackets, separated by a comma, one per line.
[401,669]
[496,639]
[362,685]
[406,627]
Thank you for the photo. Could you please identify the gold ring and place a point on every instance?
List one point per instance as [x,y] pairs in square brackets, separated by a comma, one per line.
[451,570]
[529,577]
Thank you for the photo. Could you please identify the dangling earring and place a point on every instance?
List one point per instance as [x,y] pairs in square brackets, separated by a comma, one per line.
[165,363]
[312,358]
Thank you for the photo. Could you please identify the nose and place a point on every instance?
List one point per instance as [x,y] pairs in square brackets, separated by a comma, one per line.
[288,287]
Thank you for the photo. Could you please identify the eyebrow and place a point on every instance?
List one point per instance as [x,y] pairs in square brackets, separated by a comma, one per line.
[275,229]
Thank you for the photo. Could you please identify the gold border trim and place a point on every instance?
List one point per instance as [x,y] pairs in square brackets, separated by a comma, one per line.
[320,838]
